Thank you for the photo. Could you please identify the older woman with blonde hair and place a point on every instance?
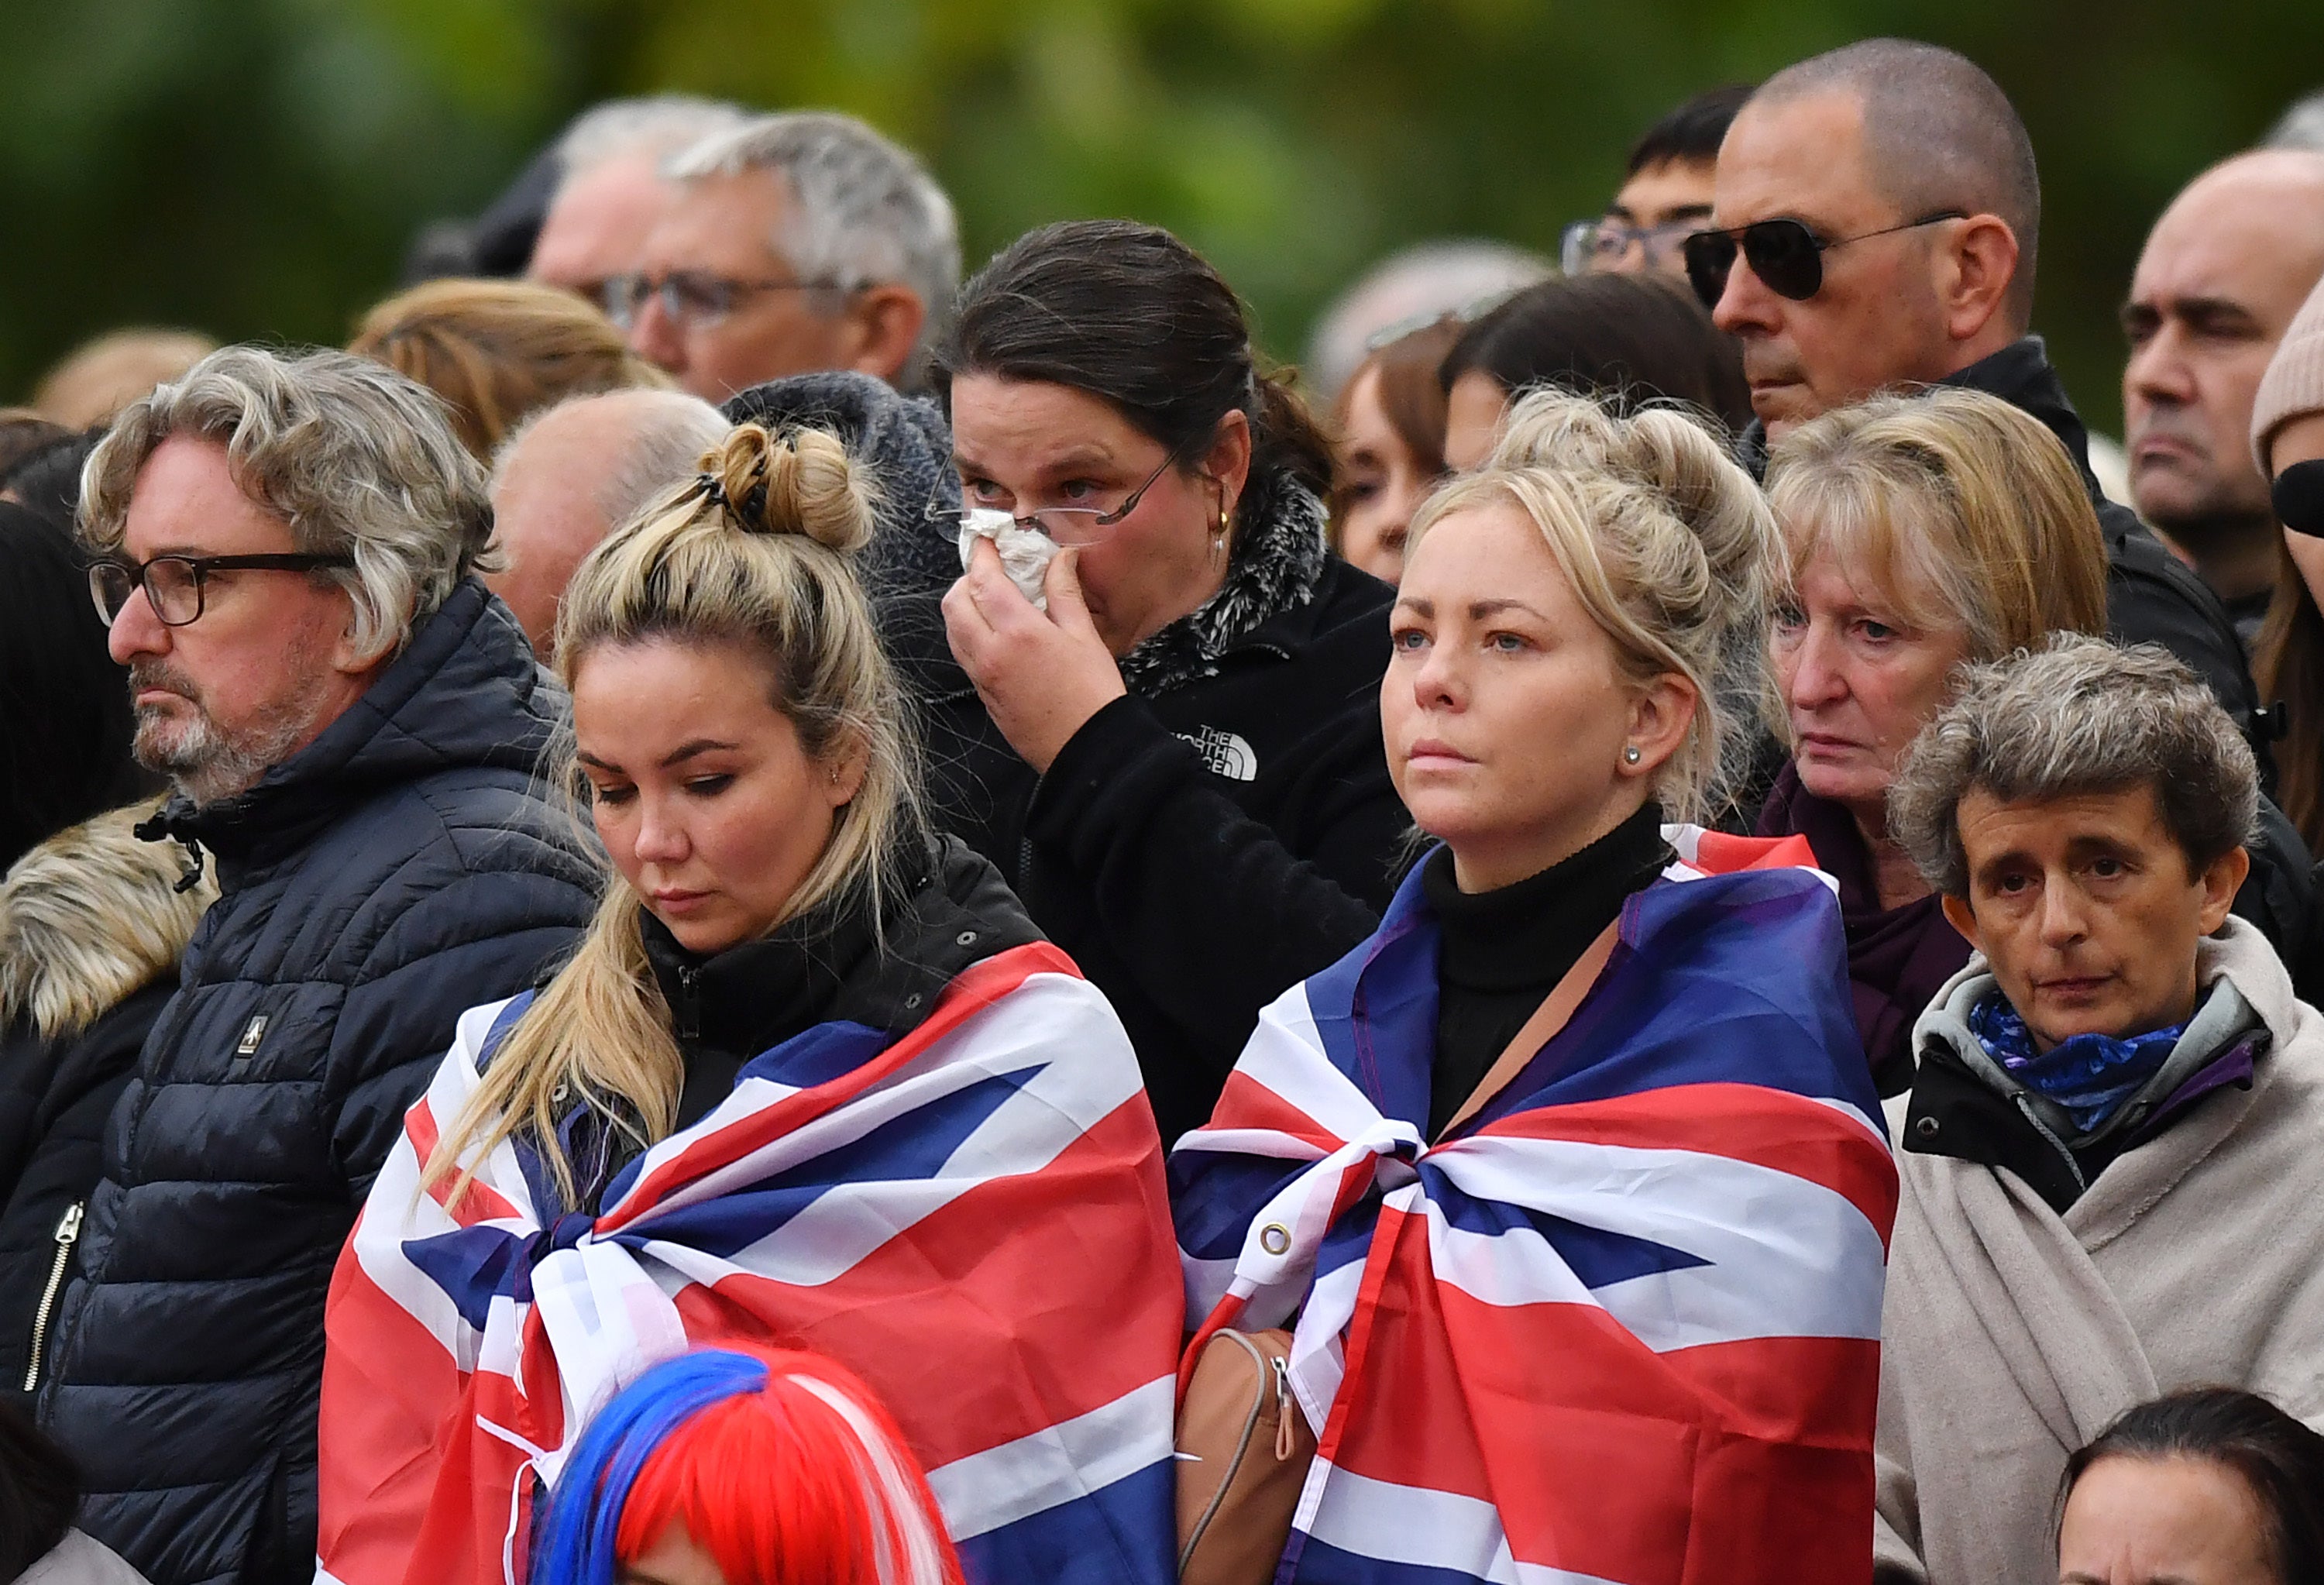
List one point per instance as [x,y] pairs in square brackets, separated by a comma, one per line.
[497,351]
[1488,1166]
[1918,533]
[811,1079]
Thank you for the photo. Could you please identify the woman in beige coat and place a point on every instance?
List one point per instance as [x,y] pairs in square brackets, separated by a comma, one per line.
[2111,1181]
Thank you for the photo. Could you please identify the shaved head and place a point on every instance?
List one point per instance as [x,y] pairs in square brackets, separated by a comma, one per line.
[1939,134]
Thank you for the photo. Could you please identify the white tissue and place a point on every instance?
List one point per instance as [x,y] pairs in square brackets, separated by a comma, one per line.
[1025,553]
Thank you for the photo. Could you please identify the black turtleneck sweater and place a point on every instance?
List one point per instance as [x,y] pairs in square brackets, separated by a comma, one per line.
[1502,952]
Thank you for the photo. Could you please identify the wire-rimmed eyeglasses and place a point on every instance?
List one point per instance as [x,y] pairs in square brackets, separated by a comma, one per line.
[1067,525]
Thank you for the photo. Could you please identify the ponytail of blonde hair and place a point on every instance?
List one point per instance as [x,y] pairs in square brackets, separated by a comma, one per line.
[757,550]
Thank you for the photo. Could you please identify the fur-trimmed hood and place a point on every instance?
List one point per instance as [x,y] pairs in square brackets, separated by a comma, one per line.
[86,918]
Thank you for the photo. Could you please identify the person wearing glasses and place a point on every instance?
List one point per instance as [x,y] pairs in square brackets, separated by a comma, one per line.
[284,549]
[1178,763]
[1665,197]
[1874,226]
[797,243]
[610,192]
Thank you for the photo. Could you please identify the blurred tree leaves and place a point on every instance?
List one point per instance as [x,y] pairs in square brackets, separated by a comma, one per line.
[254,167]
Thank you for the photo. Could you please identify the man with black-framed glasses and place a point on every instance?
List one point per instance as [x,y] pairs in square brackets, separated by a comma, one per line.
[796,243]
[1875,219]
[284,549]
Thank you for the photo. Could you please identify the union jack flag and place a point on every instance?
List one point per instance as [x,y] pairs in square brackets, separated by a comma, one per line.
[973,1218]
[1622,1325]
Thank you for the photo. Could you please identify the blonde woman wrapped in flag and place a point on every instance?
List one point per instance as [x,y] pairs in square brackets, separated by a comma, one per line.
[1571,1180]
[812,1079]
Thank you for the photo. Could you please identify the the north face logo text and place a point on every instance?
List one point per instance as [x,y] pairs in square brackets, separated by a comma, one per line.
[1224,753]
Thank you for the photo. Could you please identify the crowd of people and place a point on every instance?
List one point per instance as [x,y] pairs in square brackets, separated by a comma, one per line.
[722,911]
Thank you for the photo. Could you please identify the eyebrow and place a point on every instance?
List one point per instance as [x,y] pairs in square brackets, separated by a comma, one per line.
[2214,310]
[1477,608]
[684,752]
[1079,456]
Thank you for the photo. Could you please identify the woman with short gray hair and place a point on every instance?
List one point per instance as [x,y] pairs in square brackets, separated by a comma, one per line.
[2110,1184]
[2080,716]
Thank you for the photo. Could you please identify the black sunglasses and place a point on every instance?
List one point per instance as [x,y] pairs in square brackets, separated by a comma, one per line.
[1784,254]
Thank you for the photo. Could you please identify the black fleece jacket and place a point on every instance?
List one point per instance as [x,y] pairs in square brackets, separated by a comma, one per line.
[1200,851]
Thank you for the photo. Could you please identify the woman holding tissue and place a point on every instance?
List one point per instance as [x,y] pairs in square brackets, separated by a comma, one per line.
[1175,759]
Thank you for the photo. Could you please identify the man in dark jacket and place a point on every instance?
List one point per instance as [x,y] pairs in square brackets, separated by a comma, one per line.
[349,721]
[1881,210]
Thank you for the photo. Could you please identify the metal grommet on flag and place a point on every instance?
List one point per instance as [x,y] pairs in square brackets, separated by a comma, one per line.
[1274,1238]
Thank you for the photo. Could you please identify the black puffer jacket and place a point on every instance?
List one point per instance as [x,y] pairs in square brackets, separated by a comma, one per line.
[396,872]
[1200,846]
[91,926]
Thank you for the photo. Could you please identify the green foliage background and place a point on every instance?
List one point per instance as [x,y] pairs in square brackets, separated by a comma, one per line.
[254,167]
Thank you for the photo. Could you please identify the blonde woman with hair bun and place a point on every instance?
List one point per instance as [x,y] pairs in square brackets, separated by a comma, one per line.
[1525,1340]
[812,1079]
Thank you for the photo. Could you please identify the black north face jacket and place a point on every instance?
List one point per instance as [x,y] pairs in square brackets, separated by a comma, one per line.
[394,872]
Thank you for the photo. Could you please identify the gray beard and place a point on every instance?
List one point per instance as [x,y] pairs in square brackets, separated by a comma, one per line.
[208,763]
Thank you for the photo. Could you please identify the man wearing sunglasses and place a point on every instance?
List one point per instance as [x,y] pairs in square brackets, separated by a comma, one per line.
[284,549]
[1876,217]
[796,243]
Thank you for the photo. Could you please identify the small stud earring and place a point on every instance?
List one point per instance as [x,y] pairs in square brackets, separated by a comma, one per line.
[1630,754]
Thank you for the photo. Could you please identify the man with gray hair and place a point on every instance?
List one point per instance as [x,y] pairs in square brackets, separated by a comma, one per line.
[572,475]
[1876,215]
[796,243]
[2110,1188]
[285,549]
[610,192]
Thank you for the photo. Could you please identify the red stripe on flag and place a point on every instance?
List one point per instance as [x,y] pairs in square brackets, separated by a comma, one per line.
[1247,1104]
[410,1492]
[976,1331]
[976,988]
[1739,1463]
[1771,1128]
[1717,853]
[479,1202]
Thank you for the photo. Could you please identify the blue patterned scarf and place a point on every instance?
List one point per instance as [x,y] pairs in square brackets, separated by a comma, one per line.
[2090,1075]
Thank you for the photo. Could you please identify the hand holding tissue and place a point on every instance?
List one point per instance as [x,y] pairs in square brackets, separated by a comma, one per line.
[1025,553]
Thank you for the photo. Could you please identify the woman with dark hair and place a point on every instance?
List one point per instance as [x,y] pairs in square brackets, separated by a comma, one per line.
[1177,762]
[65,725]
[2208,1485]
[1627,338]
[45,479]
[1389,428]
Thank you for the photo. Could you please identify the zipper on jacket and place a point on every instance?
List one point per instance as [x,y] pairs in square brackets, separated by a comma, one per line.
[68,1235]
[689,1016]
